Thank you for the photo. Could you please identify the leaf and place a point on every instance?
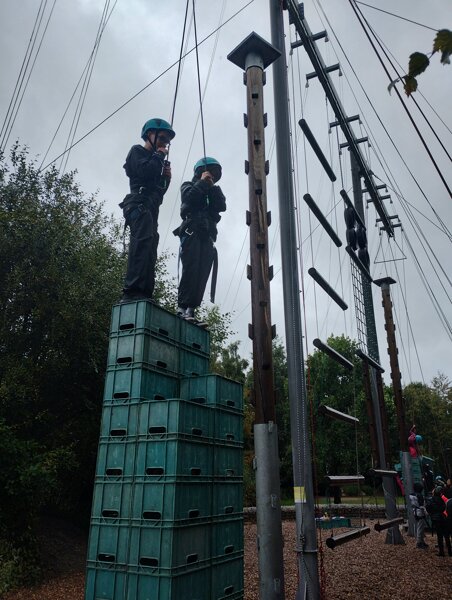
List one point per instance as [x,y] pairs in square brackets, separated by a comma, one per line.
[417,64]
[443,44]
[410,84]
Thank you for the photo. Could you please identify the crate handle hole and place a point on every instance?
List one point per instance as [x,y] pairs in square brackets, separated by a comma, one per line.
[192,558]
[148,561]
[196,431]
[126,326]
[229,549]
[159,397]
[228,590]
[161,364]
[157,429]
[152,515]
[124,360]
[230,472]
[106,558]
[114,472]
[200,400]
[230,436]
[118,432]
[228,510]
[155,471]
[193,513]
[120,395]
[230,403]
[195,471]
[110,514]
[163,332]
[196,346]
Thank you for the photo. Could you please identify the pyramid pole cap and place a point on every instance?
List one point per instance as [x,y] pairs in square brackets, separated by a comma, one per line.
[254,51]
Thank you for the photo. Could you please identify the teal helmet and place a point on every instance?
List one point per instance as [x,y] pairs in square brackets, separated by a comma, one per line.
[206,164]
[157,125]
[418,439]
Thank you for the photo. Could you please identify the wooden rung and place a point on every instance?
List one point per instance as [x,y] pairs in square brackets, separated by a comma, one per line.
[388,524]
[333,354]
[336,414]
[322,219]
[382,473]
[359,264]
[318,151]
[348,536]
[328,289]
[344,479]
[369,360]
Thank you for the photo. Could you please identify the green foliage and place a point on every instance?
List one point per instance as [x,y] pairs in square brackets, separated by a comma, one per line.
[443,44]
[61,270]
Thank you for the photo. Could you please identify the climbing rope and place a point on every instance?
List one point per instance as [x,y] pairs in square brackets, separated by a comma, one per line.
[199,79]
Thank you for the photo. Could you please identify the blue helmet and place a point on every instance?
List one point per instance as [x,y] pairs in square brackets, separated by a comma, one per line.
[203,163]
[157,125]
[418,439]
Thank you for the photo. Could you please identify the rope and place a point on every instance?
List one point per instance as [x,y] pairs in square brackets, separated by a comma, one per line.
[179,65]
[199,80]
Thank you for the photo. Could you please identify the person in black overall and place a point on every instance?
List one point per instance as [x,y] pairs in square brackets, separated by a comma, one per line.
[201,204]
[149,174]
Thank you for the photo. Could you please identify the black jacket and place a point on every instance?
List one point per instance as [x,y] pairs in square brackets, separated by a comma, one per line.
[144,169]
[201,205]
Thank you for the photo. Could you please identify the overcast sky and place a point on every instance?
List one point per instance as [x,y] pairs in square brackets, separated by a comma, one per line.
[142,39]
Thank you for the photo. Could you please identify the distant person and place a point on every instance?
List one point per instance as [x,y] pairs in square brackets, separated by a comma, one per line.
[414,441]
[202,201]
[420,514]
[150,174]
[436,508]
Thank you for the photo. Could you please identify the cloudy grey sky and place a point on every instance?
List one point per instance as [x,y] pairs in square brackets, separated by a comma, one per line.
[142,39]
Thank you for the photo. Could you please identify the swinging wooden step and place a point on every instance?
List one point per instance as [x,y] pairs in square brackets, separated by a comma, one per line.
[344,479]
[387,524]
[382,473]
[348,536]
[333,354]
[328,289]
[322,219]
[336,414]
[369,360]
[318,151]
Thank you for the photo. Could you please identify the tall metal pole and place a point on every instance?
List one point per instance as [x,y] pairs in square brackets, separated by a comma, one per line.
[308,578]
[396,377]
[253,55]
[393,535]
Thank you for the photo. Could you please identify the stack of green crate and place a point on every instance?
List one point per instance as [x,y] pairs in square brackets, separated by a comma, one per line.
[166,520]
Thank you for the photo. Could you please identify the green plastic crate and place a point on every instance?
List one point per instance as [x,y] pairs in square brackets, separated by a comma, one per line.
[105,584]
[227,537]
[145,348]
[112,499]
[227,497]
[177,502]
[109,543]
[116,459]
[193,584]
[171,456]
[214,389]
[227,578]
[148,418]
[192,364]
[156,547]
[194,337]
[143,314]
[139,383]
[228,460]
[228,425]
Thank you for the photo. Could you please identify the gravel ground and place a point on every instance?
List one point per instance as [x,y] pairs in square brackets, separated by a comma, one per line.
[366,568]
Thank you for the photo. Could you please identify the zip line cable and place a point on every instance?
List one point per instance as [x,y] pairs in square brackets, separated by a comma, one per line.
[86,83]
[199,80]
[73,93]
[20,88]
[397,16]
[146,87]
[361,18]
[380,121]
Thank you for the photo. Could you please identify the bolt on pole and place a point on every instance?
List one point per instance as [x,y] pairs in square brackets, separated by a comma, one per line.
[253,55]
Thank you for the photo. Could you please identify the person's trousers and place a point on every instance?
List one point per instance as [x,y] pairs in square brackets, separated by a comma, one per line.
[144,239]
[196,255]
[442,533]
[420,531]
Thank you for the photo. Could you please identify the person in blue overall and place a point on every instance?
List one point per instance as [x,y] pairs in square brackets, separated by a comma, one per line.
[149,174]
[202,201]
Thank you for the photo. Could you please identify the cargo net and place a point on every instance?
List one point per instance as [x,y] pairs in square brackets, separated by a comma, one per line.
[359,307]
